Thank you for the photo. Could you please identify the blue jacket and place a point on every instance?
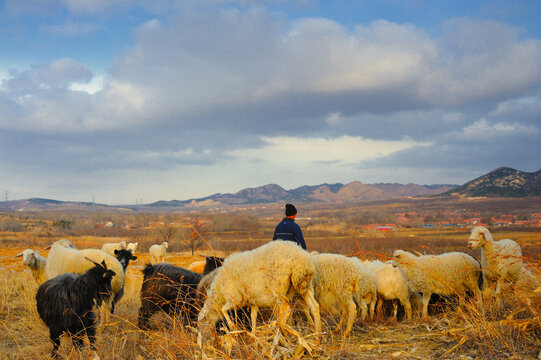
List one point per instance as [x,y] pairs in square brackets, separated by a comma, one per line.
[287,229]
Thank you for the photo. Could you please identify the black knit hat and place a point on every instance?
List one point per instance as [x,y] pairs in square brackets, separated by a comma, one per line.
[290,210]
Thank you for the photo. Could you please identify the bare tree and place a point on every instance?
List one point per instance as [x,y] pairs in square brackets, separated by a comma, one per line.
[168,232]
[195,236]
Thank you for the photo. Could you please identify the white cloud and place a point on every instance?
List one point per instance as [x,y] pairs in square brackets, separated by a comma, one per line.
[344,150]
[91,87]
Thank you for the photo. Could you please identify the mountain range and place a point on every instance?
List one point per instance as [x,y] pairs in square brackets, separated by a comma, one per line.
[501,182]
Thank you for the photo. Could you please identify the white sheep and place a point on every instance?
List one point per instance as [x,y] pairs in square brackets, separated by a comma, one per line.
[64,258]
[268,276]
[157,252]
[36,263]
[444,274]
[110,248]
[391,285]
[132,247]
[338,281]
[501,260]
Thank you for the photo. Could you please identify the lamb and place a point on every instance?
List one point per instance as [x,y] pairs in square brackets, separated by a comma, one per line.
[445,274]
[157,252]
[65,302]
[124,256]
[501,260]
[169,288]
[36,263]
[110,248]
[132,247]
[64,258]
[268,276]
[391,285]
[337,281]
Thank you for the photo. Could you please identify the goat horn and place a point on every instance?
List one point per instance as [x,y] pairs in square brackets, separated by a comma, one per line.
[92,261]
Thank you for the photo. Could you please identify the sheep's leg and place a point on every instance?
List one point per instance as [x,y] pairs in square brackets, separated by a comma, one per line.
[425,301]
[228,306]
[116,298]
[407,307]
[379,308]
[364,310]
[143,317]
[314,310]
[343,316]
[498,290]
[395,309]
[351,311]
[372,306]
[253,315]
[90,329]
[283,314]
[55,338]
[76,332]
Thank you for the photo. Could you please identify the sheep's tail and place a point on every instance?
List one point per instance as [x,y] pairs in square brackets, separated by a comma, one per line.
[149,269]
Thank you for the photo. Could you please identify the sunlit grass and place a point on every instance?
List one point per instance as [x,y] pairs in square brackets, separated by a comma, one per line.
[510,331]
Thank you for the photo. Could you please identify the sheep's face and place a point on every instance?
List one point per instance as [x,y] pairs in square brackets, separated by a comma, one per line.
[29,259]
[477,237]
[398,258]
[474,244]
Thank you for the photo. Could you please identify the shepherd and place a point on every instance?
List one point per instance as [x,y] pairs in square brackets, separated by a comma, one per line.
[288,230]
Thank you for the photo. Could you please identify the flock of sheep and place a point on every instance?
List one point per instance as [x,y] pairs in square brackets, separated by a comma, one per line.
[278,275]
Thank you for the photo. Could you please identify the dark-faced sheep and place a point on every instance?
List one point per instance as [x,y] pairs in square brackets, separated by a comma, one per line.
[169,288]
[65,304]
[124,256]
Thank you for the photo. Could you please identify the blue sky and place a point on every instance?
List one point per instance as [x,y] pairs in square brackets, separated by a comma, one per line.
[123,99]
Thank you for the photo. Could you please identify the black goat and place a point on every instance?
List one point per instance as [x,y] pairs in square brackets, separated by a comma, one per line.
[124,256]
[211,263]
[171,289]
[65,304]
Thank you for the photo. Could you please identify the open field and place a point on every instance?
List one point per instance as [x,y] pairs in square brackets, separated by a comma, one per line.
[466,332]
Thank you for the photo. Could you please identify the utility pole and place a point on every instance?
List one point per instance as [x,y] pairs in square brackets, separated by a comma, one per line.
[6,193]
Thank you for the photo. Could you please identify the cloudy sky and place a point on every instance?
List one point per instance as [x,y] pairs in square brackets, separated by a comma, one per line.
[120,101]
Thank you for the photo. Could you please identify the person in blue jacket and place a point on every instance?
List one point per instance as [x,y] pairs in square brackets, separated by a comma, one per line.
[287,229]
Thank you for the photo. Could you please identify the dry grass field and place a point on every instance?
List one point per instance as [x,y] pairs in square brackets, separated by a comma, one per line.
[463,332]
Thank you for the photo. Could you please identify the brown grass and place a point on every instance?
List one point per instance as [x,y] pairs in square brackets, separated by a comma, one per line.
[512,331]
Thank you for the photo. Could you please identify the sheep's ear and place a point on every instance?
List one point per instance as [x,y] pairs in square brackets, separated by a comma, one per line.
[19,255]
[103,264]
[487,235]
[134,257]
[116,251]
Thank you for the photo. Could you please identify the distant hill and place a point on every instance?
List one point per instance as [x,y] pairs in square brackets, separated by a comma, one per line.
[502,182]
[324,193]
[38,204]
